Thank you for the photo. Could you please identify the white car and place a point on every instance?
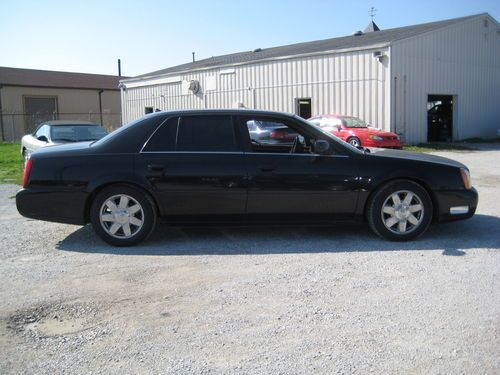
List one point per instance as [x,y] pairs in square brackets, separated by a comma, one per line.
[51,133]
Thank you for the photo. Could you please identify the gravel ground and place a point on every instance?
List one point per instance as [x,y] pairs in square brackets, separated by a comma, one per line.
[254,300]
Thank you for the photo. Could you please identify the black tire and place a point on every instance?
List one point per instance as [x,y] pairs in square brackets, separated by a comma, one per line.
[380,221]
[138,233]
[354,141]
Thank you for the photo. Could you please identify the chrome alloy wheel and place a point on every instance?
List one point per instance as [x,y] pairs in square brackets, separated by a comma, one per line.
[402,212]
[354,142]
[121,216]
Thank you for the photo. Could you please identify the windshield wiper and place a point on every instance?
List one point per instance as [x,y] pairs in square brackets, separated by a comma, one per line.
[64,140]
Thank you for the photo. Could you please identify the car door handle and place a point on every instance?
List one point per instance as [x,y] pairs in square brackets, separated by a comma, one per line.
[156,167]
[266,169]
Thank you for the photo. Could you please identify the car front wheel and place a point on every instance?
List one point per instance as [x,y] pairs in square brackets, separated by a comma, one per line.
[123,215]
[399,211]
[354,141]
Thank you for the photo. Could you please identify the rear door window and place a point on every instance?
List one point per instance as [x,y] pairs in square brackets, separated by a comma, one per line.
[164,137]
[206,133]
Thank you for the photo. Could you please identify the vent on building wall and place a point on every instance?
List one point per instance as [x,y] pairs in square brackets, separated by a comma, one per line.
[194,86]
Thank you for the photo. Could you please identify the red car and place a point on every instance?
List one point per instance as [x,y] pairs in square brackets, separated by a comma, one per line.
[356,132]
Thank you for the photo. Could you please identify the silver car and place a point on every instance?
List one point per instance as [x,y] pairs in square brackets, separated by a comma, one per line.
[52,133]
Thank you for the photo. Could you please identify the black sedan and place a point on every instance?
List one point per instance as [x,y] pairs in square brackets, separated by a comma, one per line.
[201,167]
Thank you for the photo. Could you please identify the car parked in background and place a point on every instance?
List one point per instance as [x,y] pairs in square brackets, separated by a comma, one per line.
[356,132]
[202,167]
[56,132]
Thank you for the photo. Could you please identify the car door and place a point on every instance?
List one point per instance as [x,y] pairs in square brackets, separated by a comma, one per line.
[195,165]
[300,182]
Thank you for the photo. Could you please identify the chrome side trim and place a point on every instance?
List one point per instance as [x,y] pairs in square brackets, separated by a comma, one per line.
[193,152]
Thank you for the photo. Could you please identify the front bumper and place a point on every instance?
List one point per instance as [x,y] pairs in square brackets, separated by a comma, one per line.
[452,204]
[67,207]
[396,144]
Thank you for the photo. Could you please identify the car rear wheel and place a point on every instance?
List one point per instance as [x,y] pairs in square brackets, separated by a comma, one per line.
[399,211]
[354,141]
[122,215]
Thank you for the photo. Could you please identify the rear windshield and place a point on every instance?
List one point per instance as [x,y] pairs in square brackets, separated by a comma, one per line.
[76,133]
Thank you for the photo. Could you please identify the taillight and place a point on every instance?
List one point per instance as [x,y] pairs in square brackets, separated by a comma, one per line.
[27,170]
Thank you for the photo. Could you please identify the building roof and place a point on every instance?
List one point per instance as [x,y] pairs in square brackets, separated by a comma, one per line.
[49,78]
[372,27]
[352,41]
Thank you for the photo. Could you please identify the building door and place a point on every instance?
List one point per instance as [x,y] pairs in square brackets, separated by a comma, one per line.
[440,118]
[303,107]
[38,109]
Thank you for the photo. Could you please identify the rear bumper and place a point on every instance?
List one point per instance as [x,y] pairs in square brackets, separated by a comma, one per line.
[456,204]
[58,206]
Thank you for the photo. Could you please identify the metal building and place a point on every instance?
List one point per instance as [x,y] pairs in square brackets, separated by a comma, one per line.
[438,81]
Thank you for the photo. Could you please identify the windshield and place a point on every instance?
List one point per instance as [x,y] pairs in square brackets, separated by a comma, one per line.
[76,133]
[353,122]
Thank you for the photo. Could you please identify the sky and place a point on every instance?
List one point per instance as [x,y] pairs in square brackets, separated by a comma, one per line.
[89,36]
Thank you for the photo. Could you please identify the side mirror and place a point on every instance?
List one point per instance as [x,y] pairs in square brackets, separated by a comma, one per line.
[43,138]
[321,146]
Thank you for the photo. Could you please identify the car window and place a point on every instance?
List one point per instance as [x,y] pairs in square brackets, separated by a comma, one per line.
[276,136]
[164,137]
[77,133]
[315,120]
[206,133]
[43,130]
[330,122]
[354,122]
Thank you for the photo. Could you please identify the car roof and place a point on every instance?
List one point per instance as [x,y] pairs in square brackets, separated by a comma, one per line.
[229,111]
[68,122]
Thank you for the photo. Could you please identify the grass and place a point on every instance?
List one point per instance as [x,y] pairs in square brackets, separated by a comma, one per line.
[431,147]
[11,163]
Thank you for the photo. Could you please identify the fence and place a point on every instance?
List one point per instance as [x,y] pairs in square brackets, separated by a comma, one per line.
[15,125]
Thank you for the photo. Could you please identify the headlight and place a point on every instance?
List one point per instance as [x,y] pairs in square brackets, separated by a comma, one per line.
[375,137]
[466,178]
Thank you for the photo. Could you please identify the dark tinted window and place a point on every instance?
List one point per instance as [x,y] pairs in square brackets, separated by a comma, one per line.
[206,133]
[164,138]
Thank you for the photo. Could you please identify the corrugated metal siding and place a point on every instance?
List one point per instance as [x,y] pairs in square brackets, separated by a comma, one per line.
[461,60]
[352,83]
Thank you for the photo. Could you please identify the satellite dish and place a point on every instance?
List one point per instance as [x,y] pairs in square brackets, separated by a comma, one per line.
[194,86]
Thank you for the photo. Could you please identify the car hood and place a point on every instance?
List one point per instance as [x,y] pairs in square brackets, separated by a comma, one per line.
[417,156]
